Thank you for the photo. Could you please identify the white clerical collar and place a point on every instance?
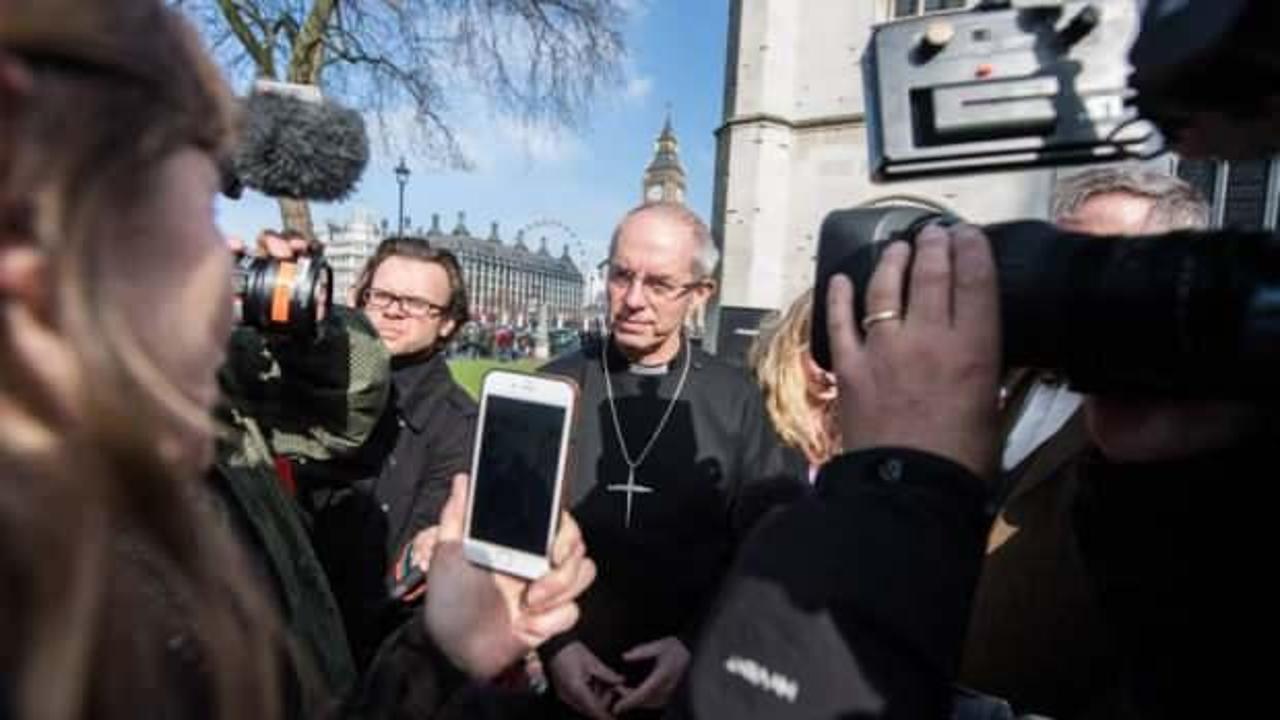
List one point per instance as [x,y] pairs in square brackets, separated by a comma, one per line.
[648,370]
[617,361]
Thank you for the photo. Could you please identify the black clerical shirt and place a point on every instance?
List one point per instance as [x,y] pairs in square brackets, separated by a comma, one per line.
[716,467]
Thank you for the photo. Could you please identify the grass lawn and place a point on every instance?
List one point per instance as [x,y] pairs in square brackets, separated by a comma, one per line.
[468,373]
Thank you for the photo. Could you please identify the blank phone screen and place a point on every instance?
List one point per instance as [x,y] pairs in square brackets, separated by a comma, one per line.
[516,473]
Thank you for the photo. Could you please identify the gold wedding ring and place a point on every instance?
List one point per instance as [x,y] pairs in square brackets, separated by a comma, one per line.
[879,317]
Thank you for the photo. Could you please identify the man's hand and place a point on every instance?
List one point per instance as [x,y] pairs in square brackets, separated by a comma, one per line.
[484,620]
[417,554]
[929,380]
[273,245]
[671,659]
[576,673]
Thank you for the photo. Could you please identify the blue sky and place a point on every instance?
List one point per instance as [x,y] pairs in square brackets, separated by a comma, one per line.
[583,178]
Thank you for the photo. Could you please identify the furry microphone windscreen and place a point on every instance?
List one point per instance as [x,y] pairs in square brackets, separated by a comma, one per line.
[294,148]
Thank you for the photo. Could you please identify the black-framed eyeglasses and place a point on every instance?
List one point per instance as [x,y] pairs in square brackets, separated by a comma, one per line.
[410,305]
[656,289]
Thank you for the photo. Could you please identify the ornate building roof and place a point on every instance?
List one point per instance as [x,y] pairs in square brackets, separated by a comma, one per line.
[461,242]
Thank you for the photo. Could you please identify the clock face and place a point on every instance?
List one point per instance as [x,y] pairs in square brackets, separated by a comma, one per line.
[654,193]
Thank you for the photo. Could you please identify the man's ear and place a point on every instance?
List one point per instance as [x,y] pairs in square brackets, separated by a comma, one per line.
[704,292]
[446,329]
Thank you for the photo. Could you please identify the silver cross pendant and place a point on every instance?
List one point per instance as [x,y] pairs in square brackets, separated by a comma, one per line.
[631,488]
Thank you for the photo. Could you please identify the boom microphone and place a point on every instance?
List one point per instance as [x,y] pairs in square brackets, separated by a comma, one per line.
[296,144]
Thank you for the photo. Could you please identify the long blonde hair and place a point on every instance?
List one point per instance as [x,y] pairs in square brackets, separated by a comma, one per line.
[117,87]
[777,359]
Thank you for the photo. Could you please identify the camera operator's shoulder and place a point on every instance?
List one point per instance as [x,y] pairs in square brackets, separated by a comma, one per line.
[367,358]
[353,320]
[353,326]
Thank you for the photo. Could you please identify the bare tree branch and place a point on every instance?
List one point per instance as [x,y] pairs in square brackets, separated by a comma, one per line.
[540,62]
[236,22]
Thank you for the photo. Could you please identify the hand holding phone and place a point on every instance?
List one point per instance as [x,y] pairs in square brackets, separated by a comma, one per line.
[517,471]
[409,573]
[485,620]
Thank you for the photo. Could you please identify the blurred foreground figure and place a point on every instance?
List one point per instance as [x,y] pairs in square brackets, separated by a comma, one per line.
[125,590]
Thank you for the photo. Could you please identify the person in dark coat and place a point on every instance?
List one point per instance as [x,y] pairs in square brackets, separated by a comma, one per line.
[675,461]
[417,300]
[129,586]
[365,512]
[1037,637]
[854,602]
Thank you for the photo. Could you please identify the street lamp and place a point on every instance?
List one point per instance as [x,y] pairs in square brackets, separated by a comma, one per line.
[402,177]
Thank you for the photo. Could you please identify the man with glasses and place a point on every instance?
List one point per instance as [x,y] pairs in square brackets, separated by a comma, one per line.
[415,298]
[675,460]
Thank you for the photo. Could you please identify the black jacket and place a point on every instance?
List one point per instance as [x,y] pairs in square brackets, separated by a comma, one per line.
[436,422]
[363,513]
[717,468]
[1151,560]
[852,602]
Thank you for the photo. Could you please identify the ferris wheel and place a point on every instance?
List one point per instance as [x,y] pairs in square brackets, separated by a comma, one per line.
[558,234]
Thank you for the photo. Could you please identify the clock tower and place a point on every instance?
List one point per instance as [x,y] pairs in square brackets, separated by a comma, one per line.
[664,178]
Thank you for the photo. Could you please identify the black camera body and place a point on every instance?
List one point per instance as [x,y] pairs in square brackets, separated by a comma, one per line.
[1002,87]
[1187,314]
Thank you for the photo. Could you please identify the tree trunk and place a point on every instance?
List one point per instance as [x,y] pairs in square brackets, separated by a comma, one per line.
[305,63]
[296,215]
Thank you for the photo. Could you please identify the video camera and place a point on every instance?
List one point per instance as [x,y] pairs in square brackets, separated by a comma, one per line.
[1036,83]
[287,297]
[294,144]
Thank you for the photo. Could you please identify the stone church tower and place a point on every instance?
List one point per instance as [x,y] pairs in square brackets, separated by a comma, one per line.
[664,178]
[792,147]
[664,181]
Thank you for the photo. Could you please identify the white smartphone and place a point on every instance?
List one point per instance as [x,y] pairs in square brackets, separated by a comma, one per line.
[518,471]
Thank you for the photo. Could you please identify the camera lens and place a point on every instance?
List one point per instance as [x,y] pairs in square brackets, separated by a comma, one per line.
[282,296]
[1184,314]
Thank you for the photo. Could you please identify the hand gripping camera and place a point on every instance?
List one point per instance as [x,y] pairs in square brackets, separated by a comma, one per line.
[1026,84]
